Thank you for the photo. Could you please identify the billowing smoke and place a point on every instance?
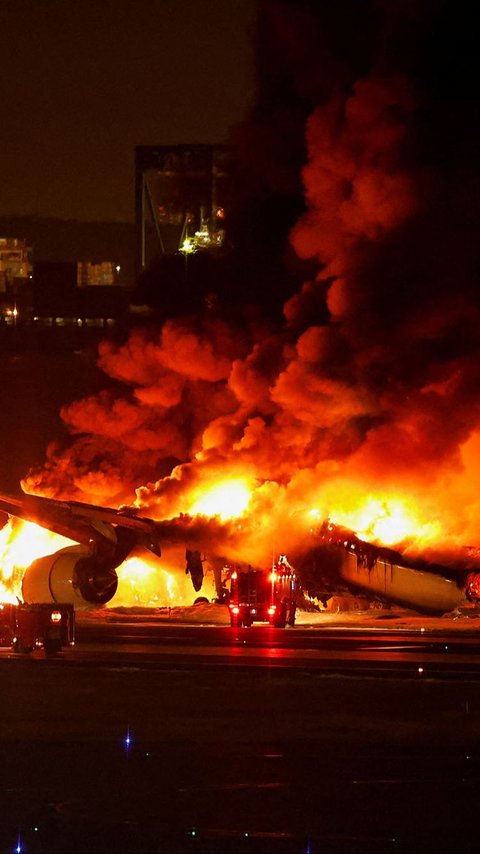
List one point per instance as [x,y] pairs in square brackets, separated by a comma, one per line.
[356,211]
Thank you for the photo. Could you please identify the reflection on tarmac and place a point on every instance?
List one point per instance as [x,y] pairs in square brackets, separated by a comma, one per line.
[373,651]
[191,739]
[179,798]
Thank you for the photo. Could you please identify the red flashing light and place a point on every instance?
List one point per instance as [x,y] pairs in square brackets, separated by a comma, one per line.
[272,609]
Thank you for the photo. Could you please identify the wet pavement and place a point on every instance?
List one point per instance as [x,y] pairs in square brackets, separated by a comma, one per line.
[115,797]
[125,759]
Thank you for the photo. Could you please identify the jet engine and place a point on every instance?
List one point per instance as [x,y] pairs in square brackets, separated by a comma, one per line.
[82,575]
[71,576]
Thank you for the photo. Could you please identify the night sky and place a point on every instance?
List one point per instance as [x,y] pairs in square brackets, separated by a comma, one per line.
[84,81]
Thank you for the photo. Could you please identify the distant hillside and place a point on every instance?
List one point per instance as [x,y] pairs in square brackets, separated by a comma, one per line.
[73,240]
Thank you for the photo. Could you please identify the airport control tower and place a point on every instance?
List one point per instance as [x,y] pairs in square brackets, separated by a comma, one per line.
[182,192]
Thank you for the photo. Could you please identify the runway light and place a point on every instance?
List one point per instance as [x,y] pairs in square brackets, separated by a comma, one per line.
[127,740]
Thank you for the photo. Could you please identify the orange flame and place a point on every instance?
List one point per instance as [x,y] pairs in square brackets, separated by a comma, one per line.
[228,499]
[21,543]
[389,521]
[270,519]
[158,583]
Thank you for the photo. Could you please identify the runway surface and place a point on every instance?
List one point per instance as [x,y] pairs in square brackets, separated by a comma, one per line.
[156,737]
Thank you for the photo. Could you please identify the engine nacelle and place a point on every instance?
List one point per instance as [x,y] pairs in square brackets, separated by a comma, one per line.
[70,576]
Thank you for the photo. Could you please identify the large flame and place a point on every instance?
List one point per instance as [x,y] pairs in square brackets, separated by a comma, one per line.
[388,521]
[228,499]
[158,583]
[270,520]
[21,543]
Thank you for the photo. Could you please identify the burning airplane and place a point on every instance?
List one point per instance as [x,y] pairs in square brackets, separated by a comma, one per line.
[357,399]
[84,573]
[71,552]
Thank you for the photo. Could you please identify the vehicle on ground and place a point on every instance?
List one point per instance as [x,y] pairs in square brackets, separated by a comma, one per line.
[263,596]
[28,627]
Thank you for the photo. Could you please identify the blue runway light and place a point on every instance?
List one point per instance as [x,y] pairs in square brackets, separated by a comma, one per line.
[128,740]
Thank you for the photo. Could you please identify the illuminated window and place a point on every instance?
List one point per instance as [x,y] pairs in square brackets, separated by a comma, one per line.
[65,321]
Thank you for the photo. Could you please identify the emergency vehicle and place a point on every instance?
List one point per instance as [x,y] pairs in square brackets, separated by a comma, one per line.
[263,596]
[29,627]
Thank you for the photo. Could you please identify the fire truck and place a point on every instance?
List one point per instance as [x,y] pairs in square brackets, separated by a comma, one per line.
[263,596]
[29,627]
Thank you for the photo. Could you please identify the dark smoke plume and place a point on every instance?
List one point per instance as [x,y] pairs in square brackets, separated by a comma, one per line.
[340,357]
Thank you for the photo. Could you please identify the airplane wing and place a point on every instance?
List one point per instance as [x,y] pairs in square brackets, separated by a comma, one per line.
[77,521]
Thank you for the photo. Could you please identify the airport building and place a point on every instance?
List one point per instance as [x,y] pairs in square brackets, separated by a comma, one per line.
[182,194]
